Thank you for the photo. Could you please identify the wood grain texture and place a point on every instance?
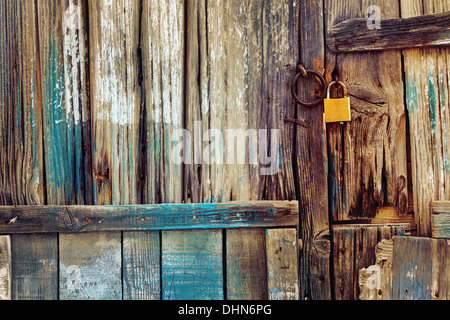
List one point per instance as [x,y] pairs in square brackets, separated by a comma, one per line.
[246,264]
[162,44]
[282,264]
[427,90]
[367,156]
[421,268]
[115,99]
[141,266]
[63,43]
[422,31]
[375,281]
[90,266]
[440,224]
[240,58]
[5,268]
[354,249]
[191,265]
[76,219]
[35,267]
[21,150]
[311,163]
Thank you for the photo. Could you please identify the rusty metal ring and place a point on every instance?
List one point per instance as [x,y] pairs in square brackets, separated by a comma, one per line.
[294,88]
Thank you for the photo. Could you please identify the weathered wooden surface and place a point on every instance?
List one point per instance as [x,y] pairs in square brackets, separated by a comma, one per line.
[427,92]
[311,164]
[76,219]
[90,266]
[35,267]
[440,224]
[367,156]
[375,281]
[282,264]
[422,31]
[63,48]
[240,58]
[354,249]
[141,266]
[246,268]
[421,269]
[191,265]
[5,268]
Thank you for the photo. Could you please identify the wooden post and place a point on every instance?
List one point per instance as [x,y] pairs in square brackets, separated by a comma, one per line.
[311,167]
[5,268]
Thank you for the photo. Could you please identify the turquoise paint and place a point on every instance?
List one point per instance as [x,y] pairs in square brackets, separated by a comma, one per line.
[411,94]
[433,115]
[444,121]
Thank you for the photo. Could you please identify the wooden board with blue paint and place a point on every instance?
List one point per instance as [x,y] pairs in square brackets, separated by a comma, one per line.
[192,265]
[427,91]
[421,269]
[440,223]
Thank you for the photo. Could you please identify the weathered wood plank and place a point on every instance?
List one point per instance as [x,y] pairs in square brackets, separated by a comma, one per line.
[311,164]
[368,164]
[162,45]
[282,264]
[192,265]
[427,91]
[375,281]
[421,269]
[63,43]
[5,268]
[354,248]
[422,31]
[90,266]
[440,226]
[141,266]
[21,146]
[246,264]
[240,58]
[76,219]
[115,99]
[35,267]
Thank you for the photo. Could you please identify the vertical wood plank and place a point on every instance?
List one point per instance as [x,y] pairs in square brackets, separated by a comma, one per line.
[427,90]
[162,45]
[282,264]
[311,166]
[5,268]
[367,155]
[366,239]
[35,267]
[141,266]
[90,266]
[246,264]
[420,269]
[115,99]
[192,265]
[343,260]
[63,43]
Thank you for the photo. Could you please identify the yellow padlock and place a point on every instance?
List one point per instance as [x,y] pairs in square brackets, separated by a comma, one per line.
[337,110]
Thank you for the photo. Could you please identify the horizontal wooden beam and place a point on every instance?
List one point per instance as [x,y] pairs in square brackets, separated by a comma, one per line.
[77,219]
[440,222]
[354,35]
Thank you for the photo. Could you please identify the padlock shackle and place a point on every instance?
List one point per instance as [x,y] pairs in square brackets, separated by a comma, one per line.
[340,84]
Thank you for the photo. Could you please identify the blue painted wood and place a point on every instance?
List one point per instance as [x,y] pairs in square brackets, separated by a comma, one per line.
[421,269]
[76,219]
[192,265]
